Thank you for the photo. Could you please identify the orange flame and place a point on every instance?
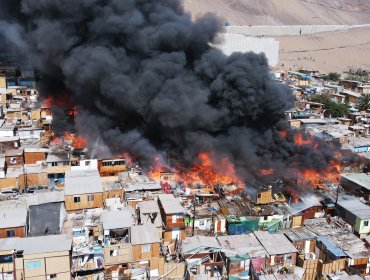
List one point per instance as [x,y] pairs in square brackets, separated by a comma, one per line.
[264,172]
[298,140]
[71,139]
[317,178]
[208,172]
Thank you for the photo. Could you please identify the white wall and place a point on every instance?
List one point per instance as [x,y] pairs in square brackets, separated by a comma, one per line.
[30,134]
[231,43]
[86,164]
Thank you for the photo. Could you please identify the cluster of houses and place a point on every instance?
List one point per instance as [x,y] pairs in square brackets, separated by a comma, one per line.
[64,215]
[350,131]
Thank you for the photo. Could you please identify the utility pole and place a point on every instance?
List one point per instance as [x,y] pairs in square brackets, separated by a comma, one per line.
[24,178]
[193,227]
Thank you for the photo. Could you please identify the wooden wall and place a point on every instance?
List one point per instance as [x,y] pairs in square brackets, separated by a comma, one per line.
[6,183]
[83,204]
[264,197]
[19,232]
[110,170]
[34,179]
[180,223]
[33,157]
[167,235]
[139,255]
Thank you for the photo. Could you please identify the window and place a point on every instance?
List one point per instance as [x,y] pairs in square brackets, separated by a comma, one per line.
[10,233]
[259,195]
[146,248]
[87,163]
[52,276]
[265,218]
[77,199]
[6,259]
[90,197]
[34,264]
[113,253]
[201,222]
[366,223]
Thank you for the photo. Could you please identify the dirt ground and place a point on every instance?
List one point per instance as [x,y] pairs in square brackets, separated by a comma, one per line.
[280,12]
[333,51]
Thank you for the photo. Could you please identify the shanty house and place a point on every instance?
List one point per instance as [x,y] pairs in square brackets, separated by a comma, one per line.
[47,213]
[44,257]
[117,237]
[14,157]
[358,183]
[356,213]
[302,239]
[111,167]
[58,163]
[172,216]
[34,155]
[83,190]
[243,253]
[30,133]
[281,251]
[145,246]
[7,143]
[13,220]
[202,255]
[149,213]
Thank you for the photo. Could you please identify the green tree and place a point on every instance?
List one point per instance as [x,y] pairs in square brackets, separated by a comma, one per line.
[332,76]
[336,110]
[321,98]
[333,109]
[363,103]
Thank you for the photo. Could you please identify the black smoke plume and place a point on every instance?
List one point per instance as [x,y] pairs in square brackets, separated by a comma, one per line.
[146,79]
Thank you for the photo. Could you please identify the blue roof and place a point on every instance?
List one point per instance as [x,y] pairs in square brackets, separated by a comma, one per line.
[331,247]
[304,76]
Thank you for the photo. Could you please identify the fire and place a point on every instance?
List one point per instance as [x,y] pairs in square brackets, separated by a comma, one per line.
[264,172]
[207,171]
[298,140]
[284,133]
[75,141]
[317,178]
[71,139]
[156,169]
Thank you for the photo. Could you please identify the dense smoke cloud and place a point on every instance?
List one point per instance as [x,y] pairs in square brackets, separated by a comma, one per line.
[146,79]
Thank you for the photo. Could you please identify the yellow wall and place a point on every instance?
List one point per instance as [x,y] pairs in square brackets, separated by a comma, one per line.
[51,263]
[2,82]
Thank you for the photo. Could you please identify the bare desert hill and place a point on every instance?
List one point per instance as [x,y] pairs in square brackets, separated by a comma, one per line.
[283,12]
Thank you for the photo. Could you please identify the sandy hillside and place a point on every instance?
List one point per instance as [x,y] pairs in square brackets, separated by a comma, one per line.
[279,12]
[333,51]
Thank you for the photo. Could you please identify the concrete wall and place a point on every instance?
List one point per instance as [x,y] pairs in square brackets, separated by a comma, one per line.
[293,30]
[231,43]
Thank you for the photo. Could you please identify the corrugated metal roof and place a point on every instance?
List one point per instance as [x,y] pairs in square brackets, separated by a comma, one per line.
[242,244]
[144,234]
[37,245]
[170,204]
[13,217]
[82,182]
[331,247]
[275,243]
[198,243]
[117,219]
[355,206]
